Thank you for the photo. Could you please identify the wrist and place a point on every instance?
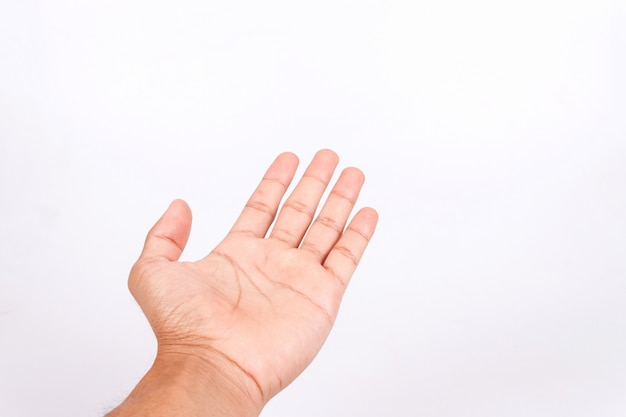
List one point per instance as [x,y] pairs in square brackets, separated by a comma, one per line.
[183,383]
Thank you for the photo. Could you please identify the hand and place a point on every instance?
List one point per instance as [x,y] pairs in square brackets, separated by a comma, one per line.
[257,309]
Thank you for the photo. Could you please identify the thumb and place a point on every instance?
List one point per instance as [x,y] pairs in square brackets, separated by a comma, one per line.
[169,235]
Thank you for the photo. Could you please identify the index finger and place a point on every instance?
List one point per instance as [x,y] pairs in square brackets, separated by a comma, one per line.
[260,210]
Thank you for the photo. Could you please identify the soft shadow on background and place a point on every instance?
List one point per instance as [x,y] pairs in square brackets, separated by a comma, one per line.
[492,135]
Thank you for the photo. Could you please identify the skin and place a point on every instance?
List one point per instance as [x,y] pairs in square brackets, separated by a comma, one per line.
[237,326]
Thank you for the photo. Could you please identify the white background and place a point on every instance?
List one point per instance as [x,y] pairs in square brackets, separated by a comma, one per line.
[492,135]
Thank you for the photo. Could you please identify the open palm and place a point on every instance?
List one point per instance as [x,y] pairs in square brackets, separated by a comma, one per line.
[259,304]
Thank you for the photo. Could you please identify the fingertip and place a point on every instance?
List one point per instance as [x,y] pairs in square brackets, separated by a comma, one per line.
[177,212]
[323,164]
[355,173]
[370,212]
[328,154]
[288,157]
[367,219]
[169,235]
[180,205]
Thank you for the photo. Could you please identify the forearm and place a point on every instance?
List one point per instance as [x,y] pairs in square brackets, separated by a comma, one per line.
[181,385]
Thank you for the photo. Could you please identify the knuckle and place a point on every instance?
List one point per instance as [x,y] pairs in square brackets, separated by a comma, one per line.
[350,199]
[299,207]
[314,249]
[261,207]
[274,180]
[338,278]
[348,254]
[316,178]
[360,233]
[330,223]
[284,235]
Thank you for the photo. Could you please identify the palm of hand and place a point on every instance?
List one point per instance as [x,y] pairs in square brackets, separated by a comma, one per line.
[264,305]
